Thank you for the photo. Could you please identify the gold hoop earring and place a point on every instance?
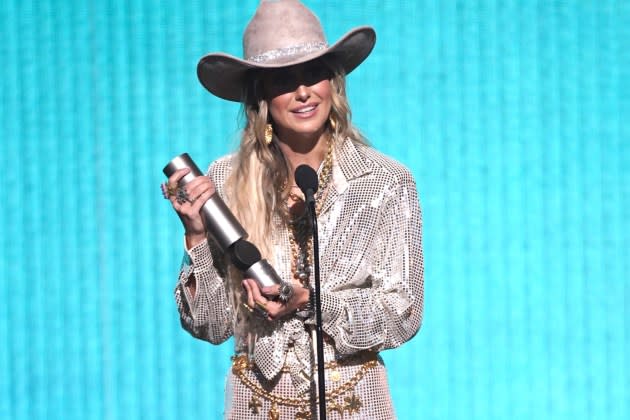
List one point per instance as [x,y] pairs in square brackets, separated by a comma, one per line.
[268,134]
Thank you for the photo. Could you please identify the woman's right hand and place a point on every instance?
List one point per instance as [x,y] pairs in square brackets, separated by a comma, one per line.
[199,190]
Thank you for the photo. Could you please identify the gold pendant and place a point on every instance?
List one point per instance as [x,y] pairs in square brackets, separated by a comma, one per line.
[353,404]
[303,415]
[254,404]
[335,376]
[274,414]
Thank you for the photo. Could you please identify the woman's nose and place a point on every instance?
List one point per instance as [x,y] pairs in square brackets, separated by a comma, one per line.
[302,93]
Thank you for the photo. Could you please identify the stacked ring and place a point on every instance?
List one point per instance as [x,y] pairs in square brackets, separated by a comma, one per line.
[167,191]
[285,292]
[261,312]
[181,196]
[259,309]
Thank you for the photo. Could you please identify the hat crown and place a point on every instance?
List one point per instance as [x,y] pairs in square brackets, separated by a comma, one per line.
[280,31]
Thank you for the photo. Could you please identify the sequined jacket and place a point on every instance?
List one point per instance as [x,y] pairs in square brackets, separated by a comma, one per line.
[371,269]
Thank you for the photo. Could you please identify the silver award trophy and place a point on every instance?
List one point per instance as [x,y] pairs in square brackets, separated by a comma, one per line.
[227,232]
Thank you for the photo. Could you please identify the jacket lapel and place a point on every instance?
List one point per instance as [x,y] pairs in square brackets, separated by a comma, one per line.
[349,163]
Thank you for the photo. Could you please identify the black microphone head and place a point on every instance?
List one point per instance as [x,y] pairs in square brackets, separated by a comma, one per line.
[306,178]
[244,254]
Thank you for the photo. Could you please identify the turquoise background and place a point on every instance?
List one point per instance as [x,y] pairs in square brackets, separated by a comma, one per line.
[513,116]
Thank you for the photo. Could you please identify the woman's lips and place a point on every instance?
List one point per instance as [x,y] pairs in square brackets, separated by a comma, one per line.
[305,111]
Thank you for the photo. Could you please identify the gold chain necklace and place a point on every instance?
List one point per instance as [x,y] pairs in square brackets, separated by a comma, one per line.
[299,228]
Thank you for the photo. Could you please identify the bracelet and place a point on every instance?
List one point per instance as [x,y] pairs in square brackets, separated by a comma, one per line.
[309,309]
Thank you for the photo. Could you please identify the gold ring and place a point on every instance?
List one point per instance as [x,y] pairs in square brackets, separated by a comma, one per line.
[261,305]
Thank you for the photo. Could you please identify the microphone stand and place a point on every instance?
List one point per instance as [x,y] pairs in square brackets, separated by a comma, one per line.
[321,380]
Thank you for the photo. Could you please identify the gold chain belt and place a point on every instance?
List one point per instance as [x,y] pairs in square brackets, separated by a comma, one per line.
[351,403]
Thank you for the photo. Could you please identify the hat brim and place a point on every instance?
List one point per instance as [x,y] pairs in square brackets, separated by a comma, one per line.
[224,75]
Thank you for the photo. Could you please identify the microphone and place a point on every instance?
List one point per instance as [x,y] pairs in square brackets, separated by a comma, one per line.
[306,179]
[226,231]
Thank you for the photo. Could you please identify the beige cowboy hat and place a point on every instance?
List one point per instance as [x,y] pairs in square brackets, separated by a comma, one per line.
[281,33]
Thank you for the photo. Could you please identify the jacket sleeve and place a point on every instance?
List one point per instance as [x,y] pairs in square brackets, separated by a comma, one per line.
[208,314]
[380,304]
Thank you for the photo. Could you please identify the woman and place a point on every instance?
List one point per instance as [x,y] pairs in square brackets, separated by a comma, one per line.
[292,86]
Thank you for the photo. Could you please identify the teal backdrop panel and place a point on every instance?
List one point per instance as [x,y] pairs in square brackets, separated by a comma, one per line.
[512,115]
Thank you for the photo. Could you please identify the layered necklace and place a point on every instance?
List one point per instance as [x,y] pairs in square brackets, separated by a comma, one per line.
[300,237]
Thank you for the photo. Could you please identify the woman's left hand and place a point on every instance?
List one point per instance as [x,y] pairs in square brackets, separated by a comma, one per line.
[257,300]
